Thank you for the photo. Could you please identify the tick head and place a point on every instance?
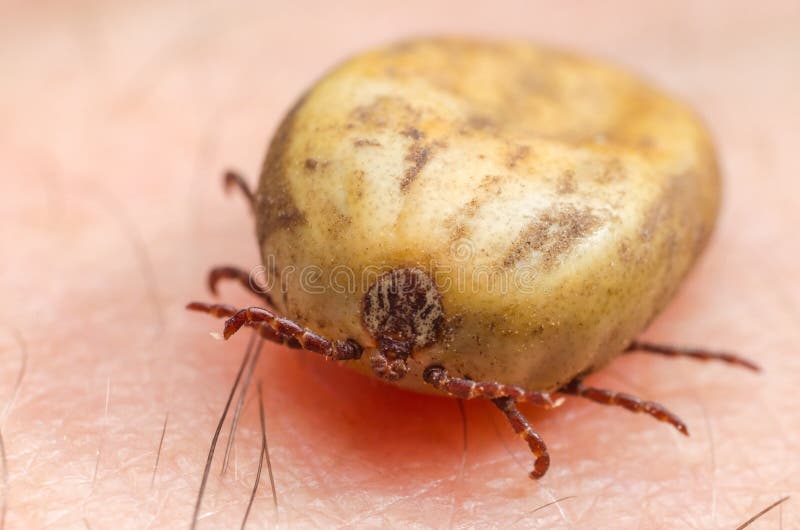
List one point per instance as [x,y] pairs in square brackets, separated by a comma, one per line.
[404,305]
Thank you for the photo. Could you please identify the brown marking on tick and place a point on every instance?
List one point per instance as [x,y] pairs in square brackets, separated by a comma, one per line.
[385,111]
[478,122]
[456,221]
[311,164]
[553,233]
[490,185]
[370,114]
[457,232]
[361,142]
[418,155]
[517,154]
[566,183]
[413,133]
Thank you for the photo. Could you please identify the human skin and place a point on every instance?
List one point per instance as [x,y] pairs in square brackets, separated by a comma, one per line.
[116,122]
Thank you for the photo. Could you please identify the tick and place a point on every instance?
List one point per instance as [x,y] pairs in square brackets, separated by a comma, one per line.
[478,219]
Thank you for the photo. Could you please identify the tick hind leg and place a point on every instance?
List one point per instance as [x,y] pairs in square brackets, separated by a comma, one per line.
[626,401]
[692,353]
[505,397]
[278,329]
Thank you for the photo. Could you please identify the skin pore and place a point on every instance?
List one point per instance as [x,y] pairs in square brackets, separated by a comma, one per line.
[116,122]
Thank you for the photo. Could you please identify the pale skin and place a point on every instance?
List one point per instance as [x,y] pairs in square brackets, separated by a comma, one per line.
[116,126]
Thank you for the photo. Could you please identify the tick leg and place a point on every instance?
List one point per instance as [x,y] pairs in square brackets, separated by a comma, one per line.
[287,330]
[227,272]
[505,397]
[521,426]
[225,311]
[437,377]
[693,353]
[628,401]
[231,179]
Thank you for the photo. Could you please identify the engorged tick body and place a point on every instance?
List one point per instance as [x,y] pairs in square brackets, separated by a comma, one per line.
[483,220]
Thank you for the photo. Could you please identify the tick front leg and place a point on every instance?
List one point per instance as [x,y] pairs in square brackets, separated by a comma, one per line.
[226,311]
[627,401]
[339,350]
[692,353]
[279,329]
[241,276]
[231,179]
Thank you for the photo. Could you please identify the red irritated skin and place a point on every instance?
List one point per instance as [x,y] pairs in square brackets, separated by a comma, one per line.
[117,119]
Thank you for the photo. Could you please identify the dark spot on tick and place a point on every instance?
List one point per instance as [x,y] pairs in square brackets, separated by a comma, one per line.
[361,142]
[552,233]
[413,132]
[404,305]
[418,155]
[481,123]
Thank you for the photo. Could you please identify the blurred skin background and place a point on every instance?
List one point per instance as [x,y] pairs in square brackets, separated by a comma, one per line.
[116,121]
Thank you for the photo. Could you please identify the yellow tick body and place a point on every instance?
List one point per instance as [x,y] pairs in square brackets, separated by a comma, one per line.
[559,202]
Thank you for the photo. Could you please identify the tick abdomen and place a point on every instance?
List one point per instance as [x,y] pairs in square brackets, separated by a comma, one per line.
[555,202]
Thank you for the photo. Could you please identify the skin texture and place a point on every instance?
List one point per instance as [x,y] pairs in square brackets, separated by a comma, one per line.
[117,121]
[557,201]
